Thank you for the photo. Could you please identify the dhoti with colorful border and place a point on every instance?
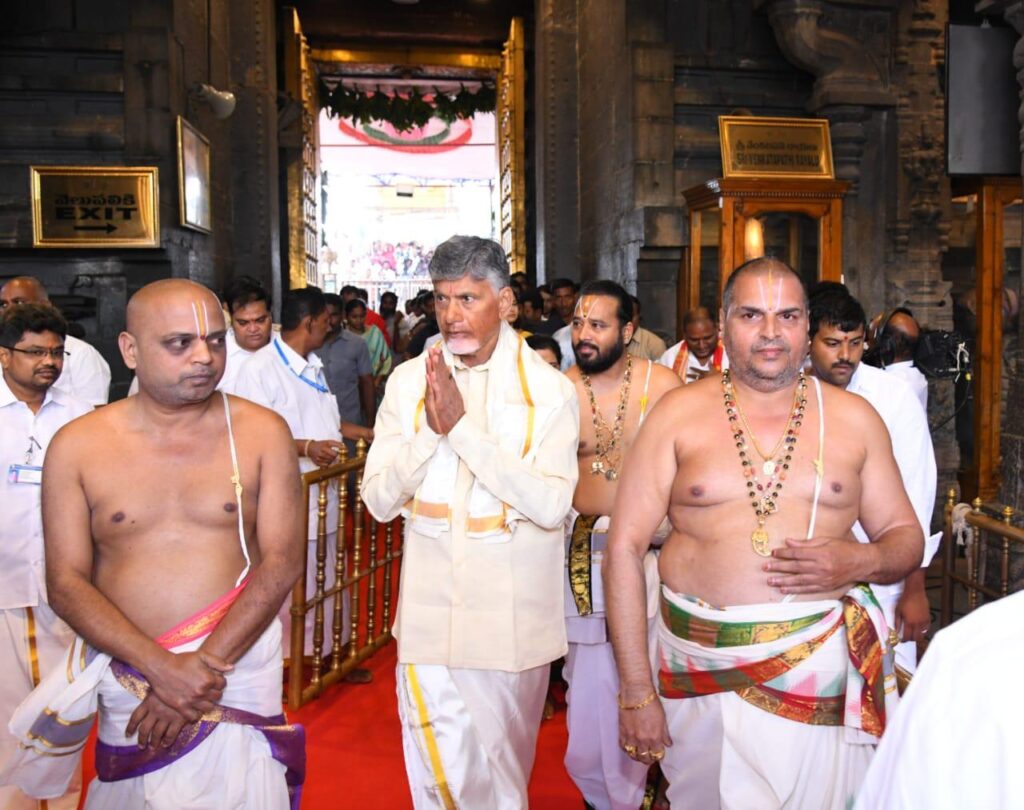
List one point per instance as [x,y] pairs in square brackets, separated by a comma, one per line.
[469,735]
[773,705]
[242,754]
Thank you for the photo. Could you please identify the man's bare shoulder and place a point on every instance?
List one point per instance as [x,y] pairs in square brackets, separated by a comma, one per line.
[851,410]
[96,424]
[663,380]
[681,405]
[572,374]
[253,418]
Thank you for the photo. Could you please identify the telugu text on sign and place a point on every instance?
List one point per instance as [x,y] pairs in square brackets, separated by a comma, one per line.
[95,206]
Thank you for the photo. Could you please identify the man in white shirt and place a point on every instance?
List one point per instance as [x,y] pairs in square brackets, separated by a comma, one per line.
[248,303]
[32,409]
[955,740]
[893,348]
[86,374]
[700,352]
[476,445]
[287,376]
[837,328]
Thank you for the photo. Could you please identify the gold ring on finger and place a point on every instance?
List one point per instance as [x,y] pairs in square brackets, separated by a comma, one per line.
[630,749]
[657,756]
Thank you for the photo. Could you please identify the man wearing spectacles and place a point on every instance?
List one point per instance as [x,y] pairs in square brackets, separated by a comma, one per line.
[86,374]
[32,410]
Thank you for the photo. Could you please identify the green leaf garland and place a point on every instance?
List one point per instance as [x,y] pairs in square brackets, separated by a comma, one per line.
[406,112]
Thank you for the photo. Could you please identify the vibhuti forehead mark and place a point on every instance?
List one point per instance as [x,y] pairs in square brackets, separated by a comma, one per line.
[201,317]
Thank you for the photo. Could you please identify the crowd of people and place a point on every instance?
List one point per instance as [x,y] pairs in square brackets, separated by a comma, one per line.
[725,539]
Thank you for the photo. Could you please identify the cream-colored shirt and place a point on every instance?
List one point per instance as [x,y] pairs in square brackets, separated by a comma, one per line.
[647,345]
[491,602]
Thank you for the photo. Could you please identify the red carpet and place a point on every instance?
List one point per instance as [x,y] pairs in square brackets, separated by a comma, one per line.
[354,750]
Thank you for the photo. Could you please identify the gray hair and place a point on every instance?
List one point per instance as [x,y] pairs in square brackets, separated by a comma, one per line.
[481,259]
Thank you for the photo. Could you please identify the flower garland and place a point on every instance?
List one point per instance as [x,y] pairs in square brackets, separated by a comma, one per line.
[406,111]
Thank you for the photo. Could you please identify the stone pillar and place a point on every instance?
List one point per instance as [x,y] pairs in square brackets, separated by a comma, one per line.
[254,142]
[557,140]
[876,81]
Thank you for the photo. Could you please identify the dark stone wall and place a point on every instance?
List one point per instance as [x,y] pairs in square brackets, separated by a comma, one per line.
[102,83]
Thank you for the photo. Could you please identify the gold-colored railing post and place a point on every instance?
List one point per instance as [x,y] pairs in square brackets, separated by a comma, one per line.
[337,629]
[948,562]
[297,611]
[371,585]
[357,541]
[321,579]
[1004,568]
[973,557]
[389,538]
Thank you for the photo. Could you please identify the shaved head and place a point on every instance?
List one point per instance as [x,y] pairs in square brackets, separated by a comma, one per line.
[175,341]
[23,290]
[766,266]
[149,304]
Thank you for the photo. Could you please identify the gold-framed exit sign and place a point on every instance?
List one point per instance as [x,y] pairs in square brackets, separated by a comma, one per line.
[95,206]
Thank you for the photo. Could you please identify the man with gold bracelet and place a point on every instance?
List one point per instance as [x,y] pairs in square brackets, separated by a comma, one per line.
[773,664]
[616,391]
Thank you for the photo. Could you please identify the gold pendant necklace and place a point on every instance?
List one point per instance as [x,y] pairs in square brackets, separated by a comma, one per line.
[764,495]
[607,439]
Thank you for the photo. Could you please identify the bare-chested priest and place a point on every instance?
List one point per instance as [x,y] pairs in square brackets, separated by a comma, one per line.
[774,677]
[616,391]
[173,528]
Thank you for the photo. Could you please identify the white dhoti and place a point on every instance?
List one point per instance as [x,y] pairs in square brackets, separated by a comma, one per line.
[470,735]
[233,767]
[330,577]
[32,642]
[775,713]
[225,760]
[596,763]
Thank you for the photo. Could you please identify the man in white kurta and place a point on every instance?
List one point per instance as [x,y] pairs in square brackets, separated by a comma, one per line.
[287,377]
[476,445]
[837,345]
[32,639]
[956,740]
[86,375]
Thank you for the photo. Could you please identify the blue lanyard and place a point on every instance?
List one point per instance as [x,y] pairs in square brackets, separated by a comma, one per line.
[323,389]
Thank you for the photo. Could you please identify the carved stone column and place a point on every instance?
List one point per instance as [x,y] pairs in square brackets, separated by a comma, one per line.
[848,49]
[876,67]
[557,138]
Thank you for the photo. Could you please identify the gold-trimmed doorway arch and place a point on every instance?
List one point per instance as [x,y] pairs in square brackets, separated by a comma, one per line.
[507,69]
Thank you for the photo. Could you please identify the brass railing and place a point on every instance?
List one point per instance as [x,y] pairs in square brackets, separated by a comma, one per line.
[371,577]
[989,539]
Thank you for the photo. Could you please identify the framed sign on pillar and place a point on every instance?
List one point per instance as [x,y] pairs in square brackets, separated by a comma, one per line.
[778,198]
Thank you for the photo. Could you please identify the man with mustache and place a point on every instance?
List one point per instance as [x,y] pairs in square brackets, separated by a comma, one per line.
[700,352]
[32,409]
[616,391]
[86,374]
[476,446]
[837,330]
[773,669]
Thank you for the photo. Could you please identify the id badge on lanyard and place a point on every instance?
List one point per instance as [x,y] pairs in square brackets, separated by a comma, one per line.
[24,474]
[27,473]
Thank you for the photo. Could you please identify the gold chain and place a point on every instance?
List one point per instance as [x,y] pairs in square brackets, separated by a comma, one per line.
[607,439]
